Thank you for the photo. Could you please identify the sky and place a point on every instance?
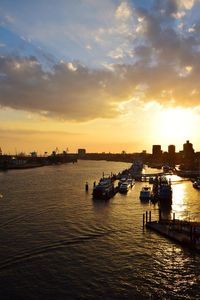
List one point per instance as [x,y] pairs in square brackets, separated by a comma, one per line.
[107,76]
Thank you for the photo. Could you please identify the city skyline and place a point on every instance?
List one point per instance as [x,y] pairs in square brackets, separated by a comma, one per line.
[81,151]
[109,76]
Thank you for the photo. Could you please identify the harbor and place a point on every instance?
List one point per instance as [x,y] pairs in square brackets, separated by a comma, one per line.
[60,232]
[99,150]
[158,192]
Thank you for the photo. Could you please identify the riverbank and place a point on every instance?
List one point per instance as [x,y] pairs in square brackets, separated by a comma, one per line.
[8,162]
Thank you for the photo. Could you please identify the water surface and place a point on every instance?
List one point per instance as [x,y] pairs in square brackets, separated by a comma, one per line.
[57,243]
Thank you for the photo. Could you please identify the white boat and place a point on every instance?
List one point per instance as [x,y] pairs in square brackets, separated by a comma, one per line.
[131,181]
[124,187]
[145,193]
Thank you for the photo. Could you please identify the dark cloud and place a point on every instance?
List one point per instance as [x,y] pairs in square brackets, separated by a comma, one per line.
[82,94]
[165,69]
[69,92]
[165,8]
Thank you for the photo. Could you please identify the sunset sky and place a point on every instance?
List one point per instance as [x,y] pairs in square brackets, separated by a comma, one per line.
[107,75]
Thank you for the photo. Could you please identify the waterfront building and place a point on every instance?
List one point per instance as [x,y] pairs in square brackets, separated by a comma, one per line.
[156,150]
[188,155]
[188,149]
[81,152]
[171,155]
[171,149]
[156,155]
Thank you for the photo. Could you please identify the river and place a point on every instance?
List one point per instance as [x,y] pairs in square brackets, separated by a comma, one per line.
[57,243]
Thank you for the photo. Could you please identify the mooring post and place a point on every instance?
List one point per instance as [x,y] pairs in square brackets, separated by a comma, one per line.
[173,216]
[146,216]
[159,215]
[86,186]
[143,220]
[150,216]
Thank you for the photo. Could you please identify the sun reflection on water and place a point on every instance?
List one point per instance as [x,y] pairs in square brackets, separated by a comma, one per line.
[180,205]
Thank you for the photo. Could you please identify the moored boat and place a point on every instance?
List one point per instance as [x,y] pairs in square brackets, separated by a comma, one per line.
[162,190]
[104,189]
[124,187]
[131,182]
[196,184]
[145,193]
[151,180]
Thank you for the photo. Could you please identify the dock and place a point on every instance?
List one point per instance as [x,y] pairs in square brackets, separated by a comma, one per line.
[186,233]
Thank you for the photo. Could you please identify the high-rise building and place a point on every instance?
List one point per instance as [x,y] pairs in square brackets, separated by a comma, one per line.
[171,155]
[157,155]
[171,149]
[188,155]
[188,149]
[156,150]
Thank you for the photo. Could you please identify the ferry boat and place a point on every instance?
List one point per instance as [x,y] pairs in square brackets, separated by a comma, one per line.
[104,189]
[145,193]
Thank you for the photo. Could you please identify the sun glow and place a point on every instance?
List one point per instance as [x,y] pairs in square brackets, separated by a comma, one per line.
[176,125]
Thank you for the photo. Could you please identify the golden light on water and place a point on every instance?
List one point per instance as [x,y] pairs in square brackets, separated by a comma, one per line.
[179,207]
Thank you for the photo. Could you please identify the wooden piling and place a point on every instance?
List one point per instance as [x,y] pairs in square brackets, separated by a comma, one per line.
[86,187]
[160,215]
[146,216]
[143,220]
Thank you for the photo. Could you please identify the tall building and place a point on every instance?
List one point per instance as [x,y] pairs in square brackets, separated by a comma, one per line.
[188,155]
[171,155]
[156,150]
[188,149]
[171,149]
[157,154]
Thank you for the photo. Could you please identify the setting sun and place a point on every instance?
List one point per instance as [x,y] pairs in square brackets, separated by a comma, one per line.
[176,125]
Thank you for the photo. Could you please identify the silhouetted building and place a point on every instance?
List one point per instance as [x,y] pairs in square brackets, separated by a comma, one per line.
[156,150]
[171,149]
[157,154]
[188,149]
[81,152]
[171,155]
[188,155]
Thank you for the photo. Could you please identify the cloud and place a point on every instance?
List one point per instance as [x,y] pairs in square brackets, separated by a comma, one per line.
[123,11]
[25,132]
[163,67]
[186,4]
[71,91]
[74,92]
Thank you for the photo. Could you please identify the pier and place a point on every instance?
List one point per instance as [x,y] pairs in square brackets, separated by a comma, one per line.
[186,233]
